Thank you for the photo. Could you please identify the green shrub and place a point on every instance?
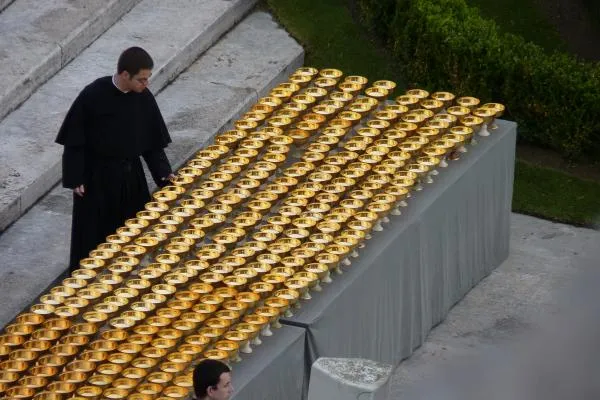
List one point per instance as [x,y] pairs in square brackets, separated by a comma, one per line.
[446,45]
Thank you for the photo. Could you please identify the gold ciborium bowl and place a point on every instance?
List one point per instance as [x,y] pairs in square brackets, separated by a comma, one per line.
[488,115]
[469,102]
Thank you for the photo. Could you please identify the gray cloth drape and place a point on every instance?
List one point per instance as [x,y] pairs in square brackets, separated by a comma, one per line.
[451,235]
[274,370]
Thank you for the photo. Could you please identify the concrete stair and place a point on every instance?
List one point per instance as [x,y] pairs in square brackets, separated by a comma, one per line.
[216,89]
[4,4]
[38,38]
[174,32]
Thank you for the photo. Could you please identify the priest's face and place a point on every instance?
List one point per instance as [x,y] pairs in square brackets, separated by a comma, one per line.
[223,390]
[139,81]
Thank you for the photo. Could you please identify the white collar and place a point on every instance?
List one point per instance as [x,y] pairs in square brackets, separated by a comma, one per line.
[115,83]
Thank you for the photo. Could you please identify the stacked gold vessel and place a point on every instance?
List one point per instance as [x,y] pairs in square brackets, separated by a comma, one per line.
[250,227]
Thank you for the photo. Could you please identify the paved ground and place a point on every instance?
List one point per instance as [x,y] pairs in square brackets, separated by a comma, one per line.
[520,299]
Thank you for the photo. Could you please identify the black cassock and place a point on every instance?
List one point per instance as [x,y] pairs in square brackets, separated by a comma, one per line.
[104,134]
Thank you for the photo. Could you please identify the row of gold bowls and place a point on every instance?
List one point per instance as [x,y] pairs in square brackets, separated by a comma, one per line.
[278,288]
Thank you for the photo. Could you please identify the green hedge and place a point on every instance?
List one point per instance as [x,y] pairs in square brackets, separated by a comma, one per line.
[447,45]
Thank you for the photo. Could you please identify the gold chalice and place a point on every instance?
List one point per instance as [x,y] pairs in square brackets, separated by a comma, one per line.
[474,123]
[339,97]
[281,304]
[430,162]
[445,97]
[300,80]
[289,211]
[458,141]
[237,282]
[272,314]
[230,169]
[262,289]
[275,280]
[12,341]
[154,352]
[10,377]
[348,156]
[297,233]
[311,247]
[245,124]
[290,243]
[410,102]
[360,80]
[321,271]
[307,71]
[341,252]
[448,121]
[327,108]
[363,221]
[499,108]
[458,111]
[418,93]
[230,140]
[50,360]
[286,112]
[359,108]
[325,83]
[420,170]
[330,260]
[144,363]
[465,132]
[20,392]
[378,92]
[412,118]
[251,298]
[270,101]
[469,102]
[378,124]
[331,73]
[488,115]
[349,87]
[312,157]
[198,163]
[241,338]
[290,296]
[408,128]
[254,116]
[352,117]
[387,115]
[32,345]
[437,152]
[278,248]
[164,196]
[440,148]
[300,286]
[432,104]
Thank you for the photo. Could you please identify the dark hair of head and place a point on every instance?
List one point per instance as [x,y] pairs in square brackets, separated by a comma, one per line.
[207,374]
[133,60]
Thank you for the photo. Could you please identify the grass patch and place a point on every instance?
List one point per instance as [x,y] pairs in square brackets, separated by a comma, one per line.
[555,195]
[523,18]
[332,38]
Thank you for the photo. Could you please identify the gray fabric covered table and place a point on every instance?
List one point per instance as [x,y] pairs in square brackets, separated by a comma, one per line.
[274,370]
[451,235]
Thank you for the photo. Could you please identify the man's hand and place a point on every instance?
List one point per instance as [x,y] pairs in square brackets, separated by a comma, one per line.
[169,178]
[79,190]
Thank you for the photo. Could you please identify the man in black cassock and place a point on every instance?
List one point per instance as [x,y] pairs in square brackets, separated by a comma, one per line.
[112,122]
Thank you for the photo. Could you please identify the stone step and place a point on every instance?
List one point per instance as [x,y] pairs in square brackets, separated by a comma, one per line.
[38,38]
[216,89]
[174,32]
[4,4]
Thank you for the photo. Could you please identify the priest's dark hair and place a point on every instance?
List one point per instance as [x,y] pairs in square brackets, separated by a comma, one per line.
[208,374]
[133,60]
